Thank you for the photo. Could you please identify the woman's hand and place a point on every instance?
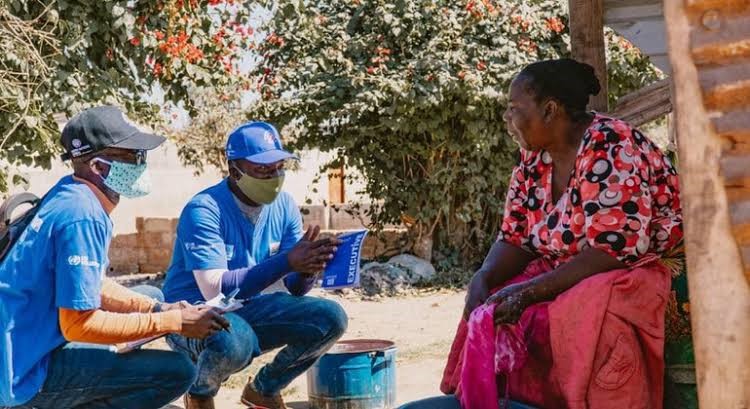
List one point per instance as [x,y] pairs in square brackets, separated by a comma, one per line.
[510,303]
[477,293]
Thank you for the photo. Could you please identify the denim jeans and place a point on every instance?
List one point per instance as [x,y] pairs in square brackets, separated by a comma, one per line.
[93,376]
[306,326]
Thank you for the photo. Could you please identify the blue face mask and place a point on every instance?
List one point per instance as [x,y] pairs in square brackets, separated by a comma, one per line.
[127,179]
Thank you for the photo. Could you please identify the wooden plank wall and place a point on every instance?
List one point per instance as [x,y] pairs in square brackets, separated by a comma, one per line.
[709,46]
[641,22]
[646,104]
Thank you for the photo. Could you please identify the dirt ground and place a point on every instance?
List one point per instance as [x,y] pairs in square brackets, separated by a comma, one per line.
[422,325]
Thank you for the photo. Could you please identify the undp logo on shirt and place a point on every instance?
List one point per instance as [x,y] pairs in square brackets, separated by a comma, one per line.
[82,261]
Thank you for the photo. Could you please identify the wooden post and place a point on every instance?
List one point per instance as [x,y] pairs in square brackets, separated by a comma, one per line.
[336,186]
[719,290]
[587,43]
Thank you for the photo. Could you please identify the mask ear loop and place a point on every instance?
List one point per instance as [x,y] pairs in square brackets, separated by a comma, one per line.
[235,167]
[104,161]
[97,159]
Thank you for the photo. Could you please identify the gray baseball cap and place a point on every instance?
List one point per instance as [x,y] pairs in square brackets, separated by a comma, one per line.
[103,127]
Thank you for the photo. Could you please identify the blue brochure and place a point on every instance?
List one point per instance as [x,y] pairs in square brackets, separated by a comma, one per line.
[343,270]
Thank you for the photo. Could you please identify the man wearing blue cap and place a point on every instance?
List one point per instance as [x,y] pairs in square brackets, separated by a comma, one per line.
[245,234]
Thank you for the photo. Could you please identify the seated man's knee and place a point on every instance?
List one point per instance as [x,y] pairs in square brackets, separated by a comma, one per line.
[178,372]
[238,346]
[334,318]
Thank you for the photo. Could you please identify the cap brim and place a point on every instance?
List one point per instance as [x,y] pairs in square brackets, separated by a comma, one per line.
[267,157]
[140,141]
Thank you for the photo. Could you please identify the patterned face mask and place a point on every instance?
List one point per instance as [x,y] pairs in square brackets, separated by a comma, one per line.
[127,179]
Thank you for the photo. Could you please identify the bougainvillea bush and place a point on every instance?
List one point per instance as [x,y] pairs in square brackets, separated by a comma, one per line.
[411,93]
[60,56]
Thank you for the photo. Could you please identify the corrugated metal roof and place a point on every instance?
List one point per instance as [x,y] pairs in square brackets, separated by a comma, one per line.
[642,23]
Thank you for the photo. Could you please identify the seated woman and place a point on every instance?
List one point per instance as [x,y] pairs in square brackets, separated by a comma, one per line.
[578,321]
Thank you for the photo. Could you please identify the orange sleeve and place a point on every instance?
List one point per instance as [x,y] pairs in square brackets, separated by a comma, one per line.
[105,327]
[118,298]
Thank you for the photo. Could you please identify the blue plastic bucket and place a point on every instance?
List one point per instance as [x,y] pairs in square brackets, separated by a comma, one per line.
[450,402]
[354,374]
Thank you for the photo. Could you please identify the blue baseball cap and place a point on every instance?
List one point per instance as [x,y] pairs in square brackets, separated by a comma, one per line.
[257,142]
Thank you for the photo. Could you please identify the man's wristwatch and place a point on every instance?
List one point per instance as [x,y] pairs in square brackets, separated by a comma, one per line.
[157,307]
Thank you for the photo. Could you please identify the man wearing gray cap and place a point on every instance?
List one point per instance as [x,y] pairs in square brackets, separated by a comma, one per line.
[54,297]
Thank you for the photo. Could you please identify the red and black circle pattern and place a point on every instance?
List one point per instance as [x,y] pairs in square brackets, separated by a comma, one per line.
[623,198]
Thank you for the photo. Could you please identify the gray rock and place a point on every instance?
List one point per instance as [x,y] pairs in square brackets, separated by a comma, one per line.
[419,269]
[397,276]
[383,278]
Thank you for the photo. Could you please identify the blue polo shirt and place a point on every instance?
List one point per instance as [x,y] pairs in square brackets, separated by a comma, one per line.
[57,262]
[213,233]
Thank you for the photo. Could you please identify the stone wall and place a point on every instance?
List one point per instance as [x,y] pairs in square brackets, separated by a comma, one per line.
[149,250]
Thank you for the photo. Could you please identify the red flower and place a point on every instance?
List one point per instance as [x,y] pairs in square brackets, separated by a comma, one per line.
[527,45]
[157,70]
[371,70]
[214,2]
[135,41]
[521,22]
[555,24]
[109,54]
[470,5]
[159,35]
[273,39]
[461,74]
[481,66]
[489,6]
[193,54]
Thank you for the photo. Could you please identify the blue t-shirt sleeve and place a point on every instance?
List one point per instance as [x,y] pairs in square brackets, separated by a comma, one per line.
[199,234]
[293,228]
[80,258]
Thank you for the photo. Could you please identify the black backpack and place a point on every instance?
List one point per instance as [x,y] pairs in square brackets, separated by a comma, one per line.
[10,228]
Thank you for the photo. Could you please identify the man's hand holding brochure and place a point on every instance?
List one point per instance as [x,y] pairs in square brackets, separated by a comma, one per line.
[343,270]
[193,323]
